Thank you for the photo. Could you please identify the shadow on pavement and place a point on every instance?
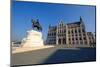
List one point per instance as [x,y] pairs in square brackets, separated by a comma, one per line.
[69,56]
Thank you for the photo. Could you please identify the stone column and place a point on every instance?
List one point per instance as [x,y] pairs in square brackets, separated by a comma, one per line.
[78,36]
[82,35]
[74,36]
[71,36]
[57,36]
[67,41]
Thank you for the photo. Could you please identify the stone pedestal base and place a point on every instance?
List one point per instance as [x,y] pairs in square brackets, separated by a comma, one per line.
[33,39]
[26,49]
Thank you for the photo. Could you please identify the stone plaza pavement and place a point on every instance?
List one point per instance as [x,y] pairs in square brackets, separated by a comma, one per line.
[35,56]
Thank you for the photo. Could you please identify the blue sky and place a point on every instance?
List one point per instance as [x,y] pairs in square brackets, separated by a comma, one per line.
[23,12]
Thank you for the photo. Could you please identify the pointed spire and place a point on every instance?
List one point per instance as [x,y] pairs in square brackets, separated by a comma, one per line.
[81,19]
[61,21]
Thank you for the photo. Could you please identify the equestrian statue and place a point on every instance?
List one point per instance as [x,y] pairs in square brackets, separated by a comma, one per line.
[36,25]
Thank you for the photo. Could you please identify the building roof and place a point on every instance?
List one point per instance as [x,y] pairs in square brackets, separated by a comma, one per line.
[75,23]
[89,33]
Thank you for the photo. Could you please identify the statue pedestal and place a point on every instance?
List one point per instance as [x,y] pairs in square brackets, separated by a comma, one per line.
[33,39]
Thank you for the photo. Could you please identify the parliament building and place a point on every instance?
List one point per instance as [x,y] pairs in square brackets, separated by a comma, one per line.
[69,34]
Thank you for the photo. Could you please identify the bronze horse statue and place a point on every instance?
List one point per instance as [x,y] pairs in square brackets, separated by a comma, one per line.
[36,24]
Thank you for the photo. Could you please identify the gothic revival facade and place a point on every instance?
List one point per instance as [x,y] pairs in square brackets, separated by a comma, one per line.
[71,33]
[91,39]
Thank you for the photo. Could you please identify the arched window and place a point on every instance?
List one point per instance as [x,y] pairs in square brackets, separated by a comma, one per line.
[75,31]
[72,31]
[59,41]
